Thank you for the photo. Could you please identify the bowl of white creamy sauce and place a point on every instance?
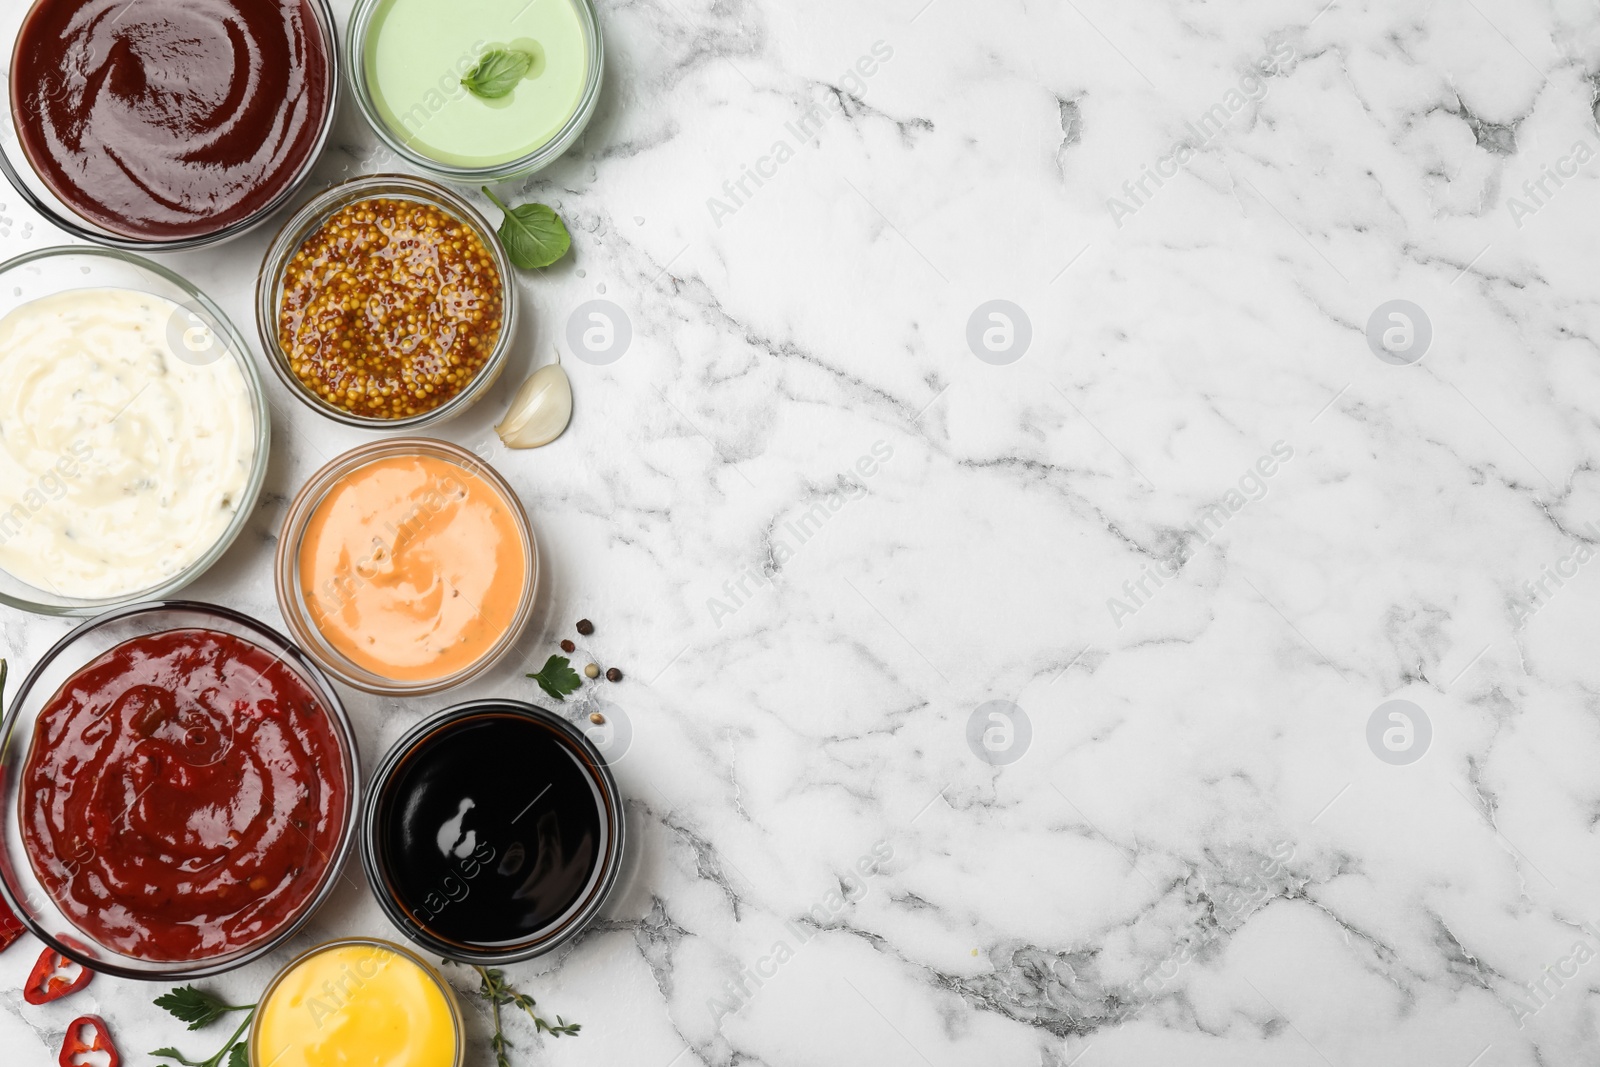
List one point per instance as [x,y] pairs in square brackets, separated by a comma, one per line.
[133,431]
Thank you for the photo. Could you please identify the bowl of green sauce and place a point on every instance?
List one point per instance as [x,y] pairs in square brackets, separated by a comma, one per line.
[476,90]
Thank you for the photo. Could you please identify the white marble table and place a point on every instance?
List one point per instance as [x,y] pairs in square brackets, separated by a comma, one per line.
[1194,854]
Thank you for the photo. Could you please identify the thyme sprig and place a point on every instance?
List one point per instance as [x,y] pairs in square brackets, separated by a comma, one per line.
[494,988]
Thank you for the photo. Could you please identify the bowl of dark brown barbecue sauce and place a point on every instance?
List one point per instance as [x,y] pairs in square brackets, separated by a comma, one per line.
[493,832]
[166,124]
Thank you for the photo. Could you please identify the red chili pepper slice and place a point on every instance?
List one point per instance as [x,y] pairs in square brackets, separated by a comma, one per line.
[11,927]
[74,1045]
[52,978]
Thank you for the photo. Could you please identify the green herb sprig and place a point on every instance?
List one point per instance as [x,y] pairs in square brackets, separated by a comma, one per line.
[557,678]
[498,72]
[533,234]
[200,1009]
[497,991]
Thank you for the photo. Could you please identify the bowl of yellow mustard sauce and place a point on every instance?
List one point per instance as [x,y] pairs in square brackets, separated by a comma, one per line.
[358,1002]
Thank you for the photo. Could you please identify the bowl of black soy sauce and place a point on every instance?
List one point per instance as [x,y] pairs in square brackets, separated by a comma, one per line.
[493,832]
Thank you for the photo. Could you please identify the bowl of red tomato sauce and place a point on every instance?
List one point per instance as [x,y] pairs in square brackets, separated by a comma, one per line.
[178,791]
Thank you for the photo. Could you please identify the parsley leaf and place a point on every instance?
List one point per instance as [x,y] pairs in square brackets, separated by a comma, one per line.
[497,73]
[199,1008]
[195,1007]
[533,234]
[557,678]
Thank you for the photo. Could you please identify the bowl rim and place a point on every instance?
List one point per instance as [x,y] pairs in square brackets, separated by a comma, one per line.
[80,227]
[298,228]
[277,645]
[356,33]
[239,350]
[612,861]
[285,564]
[451,999]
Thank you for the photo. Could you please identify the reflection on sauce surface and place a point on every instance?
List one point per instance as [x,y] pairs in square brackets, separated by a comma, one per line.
[169,118]
[183,796]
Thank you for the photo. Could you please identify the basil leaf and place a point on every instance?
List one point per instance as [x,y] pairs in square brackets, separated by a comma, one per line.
[497,73]
[534,235]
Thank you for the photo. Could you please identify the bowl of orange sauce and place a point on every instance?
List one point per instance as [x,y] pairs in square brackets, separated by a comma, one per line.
[406,566]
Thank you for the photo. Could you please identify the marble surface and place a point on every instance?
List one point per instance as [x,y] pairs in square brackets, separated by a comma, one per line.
[1199,532]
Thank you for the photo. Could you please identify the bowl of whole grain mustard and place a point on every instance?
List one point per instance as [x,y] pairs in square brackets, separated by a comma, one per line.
[386,302]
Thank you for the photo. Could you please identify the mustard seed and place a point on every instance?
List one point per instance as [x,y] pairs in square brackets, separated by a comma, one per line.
[376,313]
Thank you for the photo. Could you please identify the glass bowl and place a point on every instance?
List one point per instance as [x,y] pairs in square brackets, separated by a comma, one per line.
[356,37]
[308,219]
[25,180]
[55,270]
[291,596]
[261,1058]
[27,895]
[613,829]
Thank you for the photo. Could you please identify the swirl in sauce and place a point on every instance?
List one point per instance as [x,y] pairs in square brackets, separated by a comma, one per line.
[169,118]
[183,796]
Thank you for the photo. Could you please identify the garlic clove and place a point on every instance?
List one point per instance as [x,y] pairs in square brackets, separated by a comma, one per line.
[540,411]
